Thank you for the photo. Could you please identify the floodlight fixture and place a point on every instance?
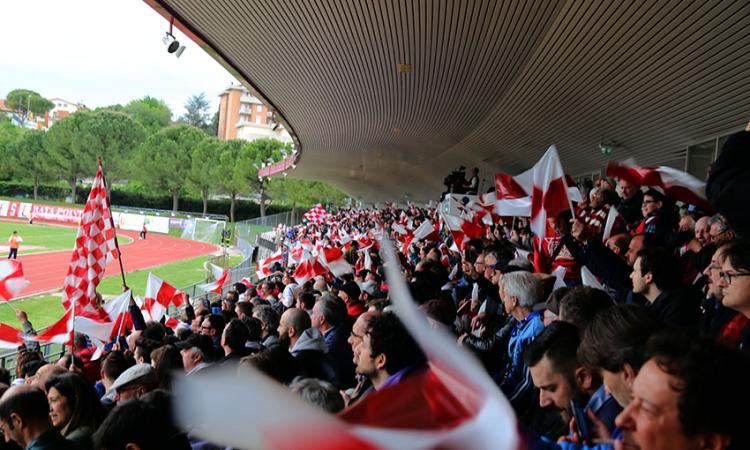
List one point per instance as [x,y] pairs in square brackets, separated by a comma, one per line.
[173,45]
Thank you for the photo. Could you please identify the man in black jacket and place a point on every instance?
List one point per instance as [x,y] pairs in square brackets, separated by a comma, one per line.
[655,276]
[727,188]
[630,204]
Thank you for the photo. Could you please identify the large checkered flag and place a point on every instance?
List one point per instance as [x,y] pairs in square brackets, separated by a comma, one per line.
[316,214]
[95,246]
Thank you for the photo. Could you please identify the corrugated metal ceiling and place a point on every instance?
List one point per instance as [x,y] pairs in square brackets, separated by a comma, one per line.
[492,83]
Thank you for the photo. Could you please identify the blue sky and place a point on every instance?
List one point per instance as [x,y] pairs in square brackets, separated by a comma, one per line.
[100,53]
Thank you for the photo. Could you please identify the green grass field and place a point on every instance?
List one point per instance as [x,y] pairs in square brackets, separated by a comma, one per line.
[47,237]
[43,310]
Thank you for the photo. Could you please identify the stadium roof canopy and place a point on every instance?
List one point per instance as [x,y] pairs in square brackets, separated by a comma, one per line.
[384,98]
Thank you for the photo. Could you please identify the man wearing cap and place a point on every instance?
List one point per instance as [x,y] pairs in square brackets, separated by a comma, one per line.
[134,382]
[350,293]
[197,353]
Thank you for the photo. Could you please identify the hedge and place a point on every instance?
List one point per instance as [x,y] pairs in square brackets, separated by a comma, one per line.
[124,197]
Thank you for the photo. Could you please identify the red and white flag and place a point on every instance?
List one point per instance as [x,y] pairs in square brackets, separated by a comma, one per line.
[263,269]
[612,216]
[157,298]
[333,259]
[673,183]
[10,337]
[550,195]
[221,278]
[316,214]
[427,231]
[307,269]
[60,331]
[94,247]
[118,313]
[513,194]
[462,230]
[12,281]
[453,404]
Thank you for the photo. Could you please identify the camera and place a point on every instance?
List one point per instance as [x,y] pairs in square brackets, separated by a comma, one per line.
[455,182]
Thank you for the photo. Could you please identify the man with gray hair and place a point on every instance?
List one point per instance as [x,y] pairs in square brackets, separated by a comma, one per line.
[719,230]
[318,392]
[519,292]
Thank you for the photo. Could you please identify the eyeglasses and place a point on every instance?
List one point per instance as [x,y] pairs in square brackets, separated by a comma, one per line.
[729,277]
[356,336]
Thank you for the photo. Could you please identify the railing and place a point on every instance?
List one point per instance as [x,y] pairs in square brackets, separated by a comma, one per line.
[248,229]
[48,350]
[164,212]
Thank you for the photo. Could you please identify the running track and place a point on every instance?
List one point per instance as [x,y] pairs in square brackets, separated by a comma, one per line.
[46,271]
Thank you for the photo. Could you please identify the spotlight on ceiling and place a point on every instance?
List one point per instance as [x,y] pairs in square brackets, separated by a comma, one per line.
[171,43]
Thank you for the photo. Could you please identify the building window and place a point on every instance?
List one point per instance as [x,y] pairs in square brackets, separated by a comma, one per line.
[259,108]
[258,120]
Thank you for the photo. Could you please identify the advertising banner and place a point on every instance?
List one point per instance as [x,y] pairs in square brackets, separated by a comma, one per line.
[157,224]
[54,213]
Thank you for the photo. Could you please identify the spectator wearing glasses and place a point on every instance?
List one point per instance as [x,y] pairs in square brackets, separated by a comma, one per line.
[655,218]
[720,322]
[735,283]
[213,327]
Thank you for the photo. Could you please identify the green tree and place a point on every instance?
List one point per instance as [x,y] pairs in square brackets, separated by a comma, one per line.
[213,127]
[31,159]
[115,137]
[164,159]
[304,193]
[151,113]
[196,113]
[75,142]
[9,133]
[28,101]
[235,170]
[203,174]
[72,158]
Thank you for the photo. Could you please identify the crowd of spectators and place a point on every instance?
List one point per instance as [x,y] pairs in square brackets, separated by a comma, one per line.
[654,356]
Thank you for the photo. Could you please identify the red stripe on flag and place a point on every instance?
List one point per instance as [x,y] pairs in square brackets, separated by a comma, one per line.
[507,188]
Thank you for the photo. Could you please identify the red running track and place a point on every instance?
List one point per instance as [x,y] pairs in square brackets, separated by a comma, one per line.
[46,271]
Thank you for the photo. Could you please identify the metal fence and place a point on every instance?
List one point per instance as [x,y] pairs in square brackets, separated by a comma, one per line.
[164,212]
[48,350]
[248,230]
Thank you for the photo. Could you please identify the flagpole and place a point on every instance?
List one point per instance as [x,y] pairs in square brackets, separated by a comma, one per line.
[112,223]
